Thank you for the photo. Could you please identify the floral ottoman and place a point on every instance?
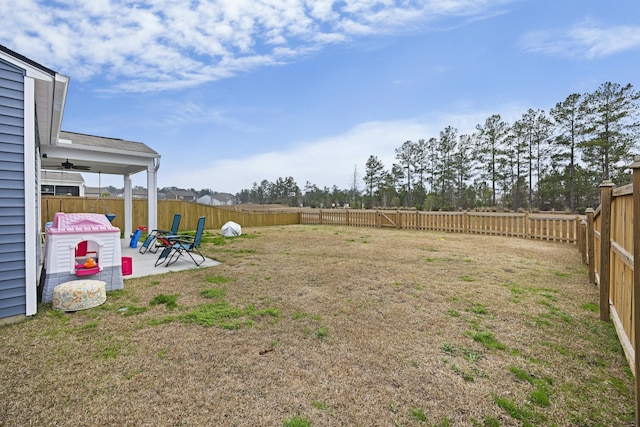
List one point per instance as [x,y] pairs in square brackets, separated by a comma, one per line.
[79,295]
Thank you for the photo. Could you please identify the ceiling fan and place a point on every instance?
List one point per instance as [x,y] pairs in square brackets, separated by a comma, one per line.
[69,165]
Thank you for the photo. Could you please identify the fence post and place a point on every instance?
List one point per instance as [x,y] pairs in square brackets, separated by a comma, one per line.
[526,226]
[605,248]
[378,219]
[635,166]
[582,237]
[465,222]
[591,245]
[320,216]
[347,216]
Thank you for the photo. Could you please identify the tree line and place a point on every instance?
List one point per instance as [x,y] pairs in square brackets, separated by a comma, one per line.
[542,161]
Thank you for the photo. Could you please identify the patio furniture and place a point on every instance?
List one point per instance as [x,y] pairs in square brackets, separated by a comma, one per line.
[180,245]
[79,295]
[158,238]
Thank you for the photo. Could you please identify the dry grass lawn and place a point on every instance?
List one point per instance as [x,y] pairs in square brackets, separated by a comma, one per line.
[331,326]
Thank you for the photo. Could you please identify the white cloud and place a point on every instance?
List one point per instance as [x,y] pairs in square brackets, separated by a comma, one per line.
[328,161]
[153,45]
[586,40]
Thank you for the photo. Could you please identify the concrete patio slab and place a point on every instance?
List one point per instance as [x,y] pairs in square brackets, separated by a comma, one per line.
[143,264]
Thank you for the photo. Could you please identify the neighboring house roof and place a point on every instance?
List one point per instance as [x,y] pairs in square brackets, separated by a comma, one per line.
[139,192]
[61,177]
[181,194]
[224,197]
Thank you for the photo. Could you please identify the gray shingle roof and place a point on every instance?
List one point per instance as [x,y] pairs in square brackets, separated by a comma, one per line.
[105,142]
[27,60]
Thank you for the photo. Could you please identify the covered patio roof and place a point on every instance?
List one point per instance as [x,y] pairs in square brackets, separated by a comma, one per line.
[97,154]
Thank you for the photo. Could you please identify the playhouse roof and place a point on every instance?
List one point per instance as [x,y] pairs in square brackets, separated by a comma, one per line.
[80,223]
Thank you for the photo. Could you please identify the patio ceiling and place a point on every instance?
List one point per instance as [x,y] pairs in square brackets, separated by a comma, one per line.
[95,154]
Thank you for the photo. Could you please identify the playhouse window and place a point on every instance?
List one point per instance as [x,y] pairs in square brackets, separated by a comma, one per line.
[83,252]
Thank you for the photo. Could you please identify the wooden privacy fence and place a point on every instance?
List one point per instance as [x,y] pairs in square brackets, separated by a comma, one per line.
[552,227]
[190,212]
[607,242]
[607,246]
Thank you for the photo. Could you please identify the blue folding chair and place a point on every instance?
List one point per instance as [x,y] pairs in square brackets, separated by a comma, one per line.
[180,245]
[158,238]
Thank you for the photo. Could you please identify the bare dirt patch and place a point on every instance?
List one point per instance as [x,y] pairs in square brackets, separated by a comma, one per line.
[339,326]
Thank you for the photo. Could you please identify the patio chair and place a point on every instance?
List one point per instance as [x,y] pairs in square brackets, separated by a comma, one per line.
[158,238]
[180,245]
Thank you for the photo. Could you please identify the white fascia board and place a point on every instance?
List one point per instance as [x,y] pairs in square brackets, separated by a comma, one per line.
[99,154]
[29,69]
[65,143]
[60,89]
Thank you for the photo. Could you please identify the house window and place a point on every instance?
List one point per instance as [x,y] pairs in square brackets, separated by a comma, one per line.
[67,190]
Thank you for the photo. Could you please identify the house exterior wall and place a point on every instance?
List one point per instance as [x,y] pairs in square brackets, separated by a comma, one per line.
[13,244]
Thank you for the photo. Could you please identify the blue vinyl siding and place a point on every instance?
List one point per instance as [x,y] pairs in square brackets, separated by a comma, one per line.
[12,204]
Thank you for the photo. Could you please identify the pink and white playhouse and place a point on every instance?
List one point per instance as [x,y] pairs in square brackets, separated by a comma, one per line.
[81,246]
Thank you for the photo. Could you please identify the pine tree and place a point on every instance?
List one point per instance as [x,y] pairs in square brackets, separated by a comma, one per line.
[538,128]
[570,122]
[516,150]
[490,148]
[463,167]
[406,155]
[373,177]
[444,173]
[612,112]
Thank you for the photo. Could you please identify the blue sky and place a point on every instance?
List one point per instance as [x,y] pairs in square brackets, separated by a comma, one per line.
[231,92]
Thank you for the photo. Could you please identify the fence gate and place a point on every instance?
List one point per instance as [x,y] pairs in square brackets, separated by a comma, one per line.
[385,220]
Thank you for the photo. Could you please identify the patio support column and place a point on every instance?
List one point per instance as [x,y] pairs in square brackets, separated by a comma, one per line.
[152,195]
[128,207]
